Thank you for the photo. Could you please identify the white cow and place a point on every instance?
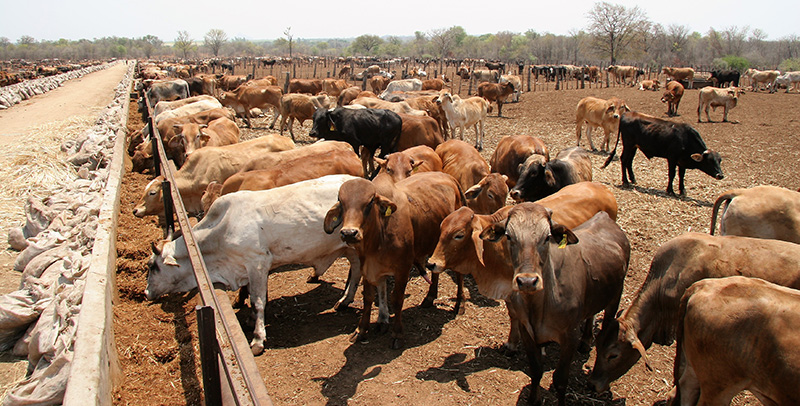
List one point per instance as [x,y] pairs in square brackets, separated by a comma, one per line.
[516,81]
[789,78]
[767,77]
[189,109]
[462,113]
[248,233]
[404,85]
[163,106]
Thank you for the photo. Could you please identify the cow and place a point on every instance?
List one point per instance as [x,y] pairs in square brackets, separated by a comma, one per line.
[403,85]
[400,165]
[516,82]
[714,97]
[650,85]
[427,103]
[724,78]
[556,290]
[271,159]
[400,107]
[480,76]
[673,93]
[461,161]
[204,166]
[789,78]
[681,261]
[598,113]
[188,109]
[378,84]
[490,262]
[418,130]
[498,66]
[167,91]
[757,77]
[167,129]
[348,95]
[332,162]
[333,87]
[393,226]
[433,84]
[488,195]
[512,151]
[592,73]
[621,74]
[311,86]
[231,82]
[737,334]
[268,80]
[245,98]
[344,72]
[496,92]
[538,178]
[273,228]
[760,212]
[301,107]
[679,74]
[163,106]
[462,113]
[679,143]
[370,128]
[191,136]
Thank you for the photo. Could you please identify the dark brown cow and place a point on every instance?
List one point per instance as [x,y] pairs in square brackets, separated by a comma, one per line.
[461,161]
[418,130]
[300,107]
[538,179]
[678,263]
[311,86]
[513,150]
[496,92]
[738,334]
[557,291]
[391,234]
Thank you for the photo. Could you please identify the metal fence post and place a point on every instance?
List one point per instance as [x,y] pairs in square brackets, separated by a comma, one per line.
[208,355]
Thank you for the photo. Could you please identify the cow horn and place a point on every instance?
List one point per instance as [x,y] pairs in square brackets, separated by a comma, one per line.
[155,248]
[638,346]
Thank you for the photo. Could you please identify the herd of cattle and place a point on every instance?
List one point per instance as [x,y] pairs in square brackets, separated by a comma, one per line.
[18,71]
[430,202]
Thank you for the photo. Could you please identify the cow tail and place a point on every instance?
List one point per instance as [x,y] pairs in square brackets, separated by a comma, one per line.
[614,151]
[726,199]
[680,357]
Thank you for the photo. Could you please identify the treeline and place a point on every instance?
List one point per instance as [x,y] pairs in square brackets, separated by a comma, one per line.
[615,35]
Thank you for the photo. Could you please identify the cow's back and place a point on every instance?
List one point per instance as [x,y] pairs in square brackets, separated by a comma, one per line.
[218,163]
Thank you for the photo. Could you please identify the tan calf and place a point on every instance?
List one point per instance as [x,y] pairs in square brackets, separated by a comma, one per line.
[597,113]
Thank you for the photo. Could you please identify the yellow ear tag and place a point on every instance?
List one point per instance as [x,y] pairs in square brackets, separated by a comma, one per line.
[388,212]
[563,242]
[415,169]
[334,219]
[333,127]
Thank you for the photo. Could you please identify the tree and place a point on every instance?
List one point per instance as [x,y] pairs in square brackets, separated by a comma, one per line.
[442,41]
[184,43]
[26,40]
[215,38]
[366,44]
[288,33]
[150,43]
[616,28]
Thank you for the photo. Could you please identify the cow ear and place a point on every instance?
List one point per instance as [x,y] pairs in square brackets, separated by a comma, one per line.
[333,219]
[549,178]
[204,137]
[415,165]
[697,157]
[385,206]
[381,162]
[562,235]
[477,240]
[495,232]
[170,260]
[610,108]
[473,192]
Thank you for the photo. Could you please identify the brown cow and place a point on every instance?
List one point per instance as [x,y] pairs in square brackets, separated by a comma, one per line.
[246,98]
[673,93]
[301,107]
[191,136]
[427,103]
[378,83]
[271,159]
[513,150]
[551,272]
[598,113]
[344,72]
[400,165]
[679,74]
[310,86]
[760,212]
[418,130]
[488,195]
[391,234]
[348,95]
[496,92]
[400,107]
[231,82]
[737,334]
[650,85]
[461,161]
[432,84]
[268,80]
[334,87]
[678,263]
[166,128]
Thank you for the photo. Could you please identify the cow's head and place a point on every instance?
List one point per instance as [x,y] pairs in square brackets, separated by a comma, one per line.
[459,243]
[533,174]
[142,158]
[709,162]
[321,124]
[444,98]
[165,274]
[489,195]
[618,349]
[398,165]
[359,206]
[151,203]
[531,236]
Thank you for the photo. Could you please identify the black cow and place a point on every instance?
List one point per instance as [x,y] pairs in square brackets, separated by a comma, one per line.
[498,66]
[678,142]
[538,179]
[370,128]
[721,78]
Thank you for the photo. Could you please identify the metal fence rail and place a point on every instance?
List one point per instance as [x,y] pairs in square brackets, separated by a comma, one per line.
[225,354]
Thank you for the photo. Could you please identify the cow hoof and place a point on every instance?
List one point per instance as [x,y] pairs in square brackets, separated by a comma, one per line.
[427,302]
[257,348]
[313,279]
[397,343]
[341,306]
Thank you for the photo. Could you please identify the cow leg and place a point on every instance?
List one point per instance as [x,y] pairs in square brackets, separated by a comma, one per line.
[291,127]
[561,375]
[320,267]
[363,325]
[578,133]
[707,116]
[459,309]
[585,343]
[283,123]
[499,108]
[480,145]
[353,278]
[671,168]
[688,389]
[626,162]
[534,353]
[514,338]
[589,136]
[258,300]
[433,291]
[383,307]
[398,296]
[681,173]
[275,113]
[725,114]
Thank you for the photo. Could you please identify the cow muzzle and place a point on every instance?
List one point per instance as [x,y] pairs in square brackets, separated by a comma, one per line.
[719,176]
[516,195]
[351,235]
[138,212]
[528,283]
[434,267]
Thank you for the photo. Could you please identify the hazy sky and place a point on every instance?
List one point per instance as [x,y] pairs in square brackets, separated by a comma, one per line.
[76,19]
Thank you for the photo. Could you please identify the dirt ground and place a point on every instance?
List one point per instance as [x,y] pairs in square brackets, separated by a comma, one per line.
[77,98]
[448,359]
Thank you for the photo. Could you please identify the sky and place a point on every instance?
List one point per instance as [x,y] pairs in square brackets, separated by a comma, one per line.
[309,19]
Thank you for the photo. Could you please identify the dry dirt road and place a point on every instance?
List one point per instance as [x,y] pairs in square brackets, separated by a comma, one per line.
[77,100]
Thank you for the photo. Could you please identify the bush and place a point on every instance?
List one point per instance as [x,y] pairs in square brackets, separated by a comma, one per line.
[789,65]
[736,63]
[719,64]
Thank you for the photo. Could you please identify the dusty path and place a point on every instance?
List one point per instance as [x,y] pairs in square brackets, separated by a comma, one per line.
[76,103]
